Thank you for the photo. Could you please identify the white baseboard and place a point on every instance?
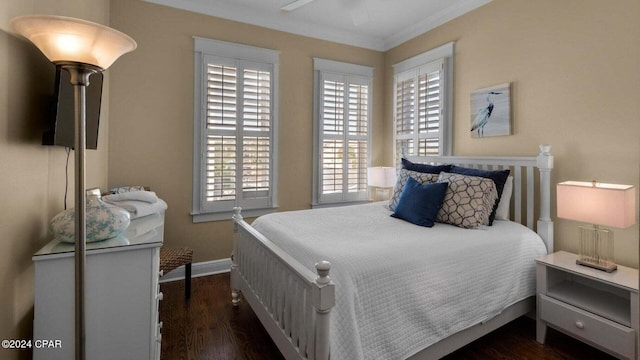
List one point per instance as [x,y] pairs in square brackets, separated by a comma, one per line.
[199,269]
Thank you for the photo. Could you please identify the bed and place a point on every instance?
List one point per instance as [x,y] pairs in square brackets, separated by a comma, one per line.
[328,283]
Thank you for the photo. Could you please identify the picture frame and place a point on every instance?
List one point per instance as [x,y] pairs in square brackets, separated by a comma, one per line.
[491,111]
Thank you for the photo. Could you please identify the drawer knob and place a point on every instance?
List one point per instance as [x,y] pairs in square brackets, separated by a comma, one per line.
[579,325]
[160,296]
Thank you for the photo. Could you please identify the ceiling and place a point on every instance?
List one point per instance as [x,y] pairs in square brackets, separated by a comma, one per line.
[372,24]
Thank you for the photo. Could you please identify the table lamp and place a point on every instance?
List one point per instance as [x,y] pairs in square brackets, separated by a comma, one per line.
[82,48]
[600,205]
[382,178]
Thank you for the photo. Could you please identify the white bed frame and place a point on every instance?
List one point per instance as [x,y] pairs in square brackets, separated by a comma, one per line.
[294,303]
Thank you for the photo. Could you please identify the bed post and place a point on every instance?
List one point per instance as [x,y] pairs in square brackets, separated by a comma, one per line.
[235,293]
[323,301]
[545,225]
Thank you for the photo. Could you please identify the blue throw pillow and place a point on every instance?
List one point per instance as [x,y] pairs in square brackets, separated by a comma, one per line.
[420,203]
[425,168]
[499,177]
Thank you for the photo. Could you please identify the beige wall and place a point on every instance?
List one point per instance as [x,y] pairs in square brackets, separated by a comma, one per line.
[574,66]
[32,175]
[151,126]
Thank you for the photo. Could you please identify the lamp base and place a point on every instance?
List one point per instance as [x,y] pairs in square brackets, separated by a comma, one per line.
[381,194]
[608,266]
[596,248]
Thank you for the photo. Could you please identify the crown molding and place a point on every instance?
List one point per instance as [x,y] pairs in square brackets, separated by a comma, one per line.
[432,22]
[276,21]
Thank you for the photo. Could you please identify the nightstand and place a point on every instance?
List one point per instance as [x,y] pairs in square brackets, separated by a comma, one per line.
[596,307]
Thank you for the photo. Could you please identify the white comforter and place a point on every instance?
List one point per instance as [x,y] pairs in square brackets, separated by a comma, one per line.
[402,287]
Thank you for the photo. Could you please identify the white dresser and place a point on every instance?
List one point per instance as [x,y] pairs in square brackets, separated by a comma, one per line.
[122,295]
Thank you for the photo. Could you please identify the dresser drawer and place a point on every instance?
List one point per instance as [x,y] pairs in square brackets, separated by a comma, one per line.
[601,332]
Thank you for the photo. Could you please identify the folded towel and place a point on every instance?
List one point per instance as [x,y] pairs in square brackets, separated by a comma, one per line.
[124,189]
[146,196]
[139,209]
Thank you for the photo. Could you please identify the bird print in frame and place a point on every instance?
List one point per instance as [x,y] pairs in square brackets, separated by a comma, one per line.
[491,111]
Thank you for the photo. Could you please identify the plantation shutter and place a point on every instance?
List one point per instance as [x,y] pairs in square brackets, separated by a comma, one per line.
[419,111]
[238,134]
[342,131]
[256,167]
[222,94]
[357,135]
[344,114]
[333,135]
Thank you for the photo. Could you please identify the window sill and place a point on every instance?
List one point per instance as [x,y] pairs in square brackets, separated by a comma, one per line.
[227,215]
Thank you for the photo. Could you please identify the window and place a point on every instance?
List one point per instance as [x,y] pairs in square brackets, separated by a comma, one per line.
[342,131]
[422,110]
[235,123]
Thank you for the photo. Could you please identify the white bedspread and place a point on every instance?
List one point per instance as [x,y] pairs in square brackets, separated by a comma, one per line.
[402,287]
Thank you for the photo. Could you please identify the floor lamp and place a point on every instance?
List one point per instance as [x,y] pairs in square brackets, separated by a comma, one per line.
[82,48]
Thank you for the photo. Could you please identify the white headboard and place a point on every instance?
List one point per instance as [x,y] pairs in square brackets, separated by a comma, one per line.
[523,200]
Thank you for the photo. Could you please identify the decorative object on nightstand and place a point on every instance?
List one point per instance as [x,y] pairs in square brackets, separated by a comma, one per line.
[598,204]
[382,178]
[104,221]
[82,48]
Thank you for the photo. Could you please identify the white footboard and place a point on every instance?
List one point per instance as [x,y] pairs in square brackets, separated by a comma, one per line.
[292,302]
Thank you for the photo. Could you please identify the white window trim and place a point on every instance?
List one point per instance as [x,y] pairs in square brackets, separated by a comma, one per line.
[445,53]
[207,47]
[331,67]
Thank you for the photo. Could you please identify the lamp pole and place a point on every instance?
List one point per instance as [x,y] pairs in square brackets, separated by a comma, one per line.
[79,76]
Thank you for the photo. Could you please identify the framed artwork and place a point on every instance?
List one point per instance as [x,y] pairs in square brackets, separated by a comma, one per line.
[491,111]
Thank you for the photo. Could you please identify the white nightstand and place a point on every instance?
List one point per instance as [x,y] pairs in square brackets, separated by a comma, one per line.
[593,306]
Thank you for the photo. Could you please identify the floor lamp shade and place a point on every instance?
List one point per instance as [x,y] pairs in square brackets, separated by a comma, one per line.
[597,204]
[64,39]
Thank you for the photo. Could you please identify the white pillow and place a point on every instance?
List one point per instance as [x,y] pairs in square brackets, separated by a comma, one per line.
[502,212]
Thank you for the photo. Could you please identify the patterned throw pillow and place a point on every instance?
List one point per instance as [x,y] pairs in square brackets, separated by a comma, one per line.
[403,175]
[499,178]
[469,200]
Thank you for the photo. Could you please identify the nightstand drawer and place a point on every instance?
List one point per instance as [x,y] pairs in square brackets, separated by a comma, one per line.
[604,333]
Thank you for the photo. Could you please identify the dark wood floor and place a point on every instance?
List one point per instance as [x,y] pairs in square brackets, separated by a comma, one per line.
[208,327]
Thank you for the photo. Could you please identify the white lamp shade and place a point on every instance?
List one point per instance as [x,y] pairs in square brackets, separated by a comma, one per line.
[63,39]
[601,204]
[381,176]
